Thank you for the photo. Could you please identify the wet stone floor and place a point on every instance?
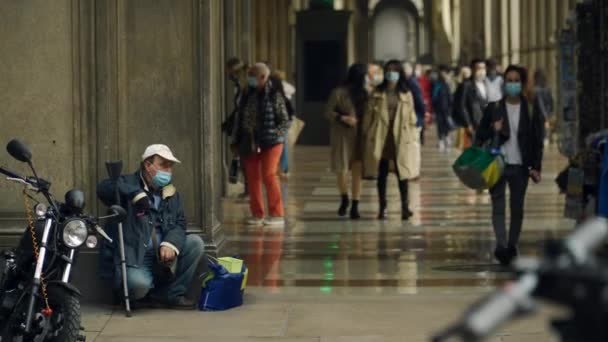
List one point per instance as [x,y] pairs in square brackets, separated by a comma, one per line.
[324,278]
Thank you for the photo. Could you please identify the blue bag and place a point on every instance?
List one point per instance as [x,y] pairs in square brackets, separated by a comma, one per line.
[222,291]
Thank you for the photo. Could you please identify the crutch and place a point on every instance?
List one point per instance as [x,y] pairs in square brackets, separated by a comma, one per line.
[114,169]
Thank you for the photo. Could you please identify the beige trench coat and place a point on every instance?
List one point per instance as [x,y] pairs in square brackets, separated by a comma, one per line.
[407,137]
[343,140]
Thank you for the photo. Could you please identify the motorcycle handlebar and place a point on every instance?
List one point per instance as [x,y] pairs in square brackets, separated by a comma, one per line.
[484,318]
[11,174]
[586,239]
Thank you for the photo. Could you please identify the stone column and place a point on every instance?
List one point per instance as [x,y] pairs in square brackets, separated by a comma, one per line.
[488,19]
[515,41]
[532,34]
[456,29]
[504,34]
[552,39]
[541,34]
[208,42]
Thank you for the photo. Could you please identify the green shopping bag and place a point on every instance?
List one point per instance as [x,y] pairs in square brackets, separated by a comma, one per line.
[479,168]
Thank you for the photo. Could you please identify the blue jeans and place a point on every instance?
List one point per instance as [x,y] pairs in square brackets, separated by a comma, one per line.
[285,156]
[141,282]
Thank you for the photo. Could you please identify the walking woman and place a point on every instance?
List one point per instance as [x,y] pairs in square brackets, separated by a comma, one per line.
[345,110]
[391,136]
[258,139]
[520,134]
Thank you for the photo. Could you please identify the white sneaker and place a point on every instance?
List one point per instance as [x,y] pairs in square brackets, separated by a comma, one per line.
[274,221]
[254,221]
[441,145]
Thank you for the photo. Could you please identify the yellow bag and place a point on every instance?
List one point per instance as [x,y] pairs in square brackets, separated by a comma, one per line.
[232,265]
[294,131]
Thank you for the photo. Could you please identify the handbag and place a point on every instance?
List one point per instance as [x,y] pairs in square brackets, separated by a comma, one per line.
[224,287]
[294,131]
[479,168]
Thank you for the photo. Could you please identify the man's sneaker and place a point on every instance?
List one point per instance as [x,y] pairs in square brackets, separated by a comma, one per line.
[182,303]
[275,221]
[254,221]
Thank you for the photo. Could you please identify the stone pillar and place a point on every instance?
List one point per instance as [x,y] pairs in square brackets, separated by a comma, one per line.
[523,33]
[541,35]
[515,41]
[504,34]
[487,26]
[532,34]
[552,40]
[456,28]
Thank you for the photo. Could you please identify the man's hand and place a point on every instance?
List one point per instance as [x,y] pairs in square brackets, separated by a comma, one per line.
[349,120]
[471,130]
[167,254]
[535,175]
[498,125]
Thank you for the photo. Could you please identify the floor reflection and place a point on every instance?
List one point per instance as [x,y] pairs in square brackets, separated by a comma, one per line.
[447,245]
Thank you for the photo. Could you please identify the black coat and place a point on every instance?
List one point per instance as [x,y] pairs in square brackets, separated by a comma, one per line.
[472,104]
[530,134]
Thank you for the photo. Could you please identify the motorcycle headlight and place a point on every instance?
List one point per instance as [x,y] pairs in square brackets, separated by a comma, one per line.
[75,233]
[40,210]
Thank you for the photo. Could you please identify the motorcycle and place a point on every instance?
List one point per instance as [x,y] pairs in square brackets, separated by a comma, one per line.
[37,301]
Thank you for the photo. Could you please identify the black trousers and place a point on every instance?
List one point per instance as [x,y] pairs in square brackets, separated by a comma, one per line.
[383,171]
[516,177]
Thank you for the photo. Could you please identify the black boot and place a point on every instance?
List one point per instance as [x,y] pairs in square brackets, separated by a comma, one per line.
[354,210]
[382,214]
[406,213]
[381,185]
[343,206]
[502,255]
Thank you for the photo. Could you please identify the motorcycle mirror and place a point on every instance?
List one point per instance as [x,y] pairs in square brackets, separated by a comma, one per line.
[118,214]
[19,151]
[114,169]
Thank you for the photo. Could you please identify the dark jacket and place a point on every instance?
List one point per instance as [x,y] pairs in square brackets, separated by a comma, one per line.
[530,133]
[170,219]
[472,104]
[264,116]
[419,106]
[442,99]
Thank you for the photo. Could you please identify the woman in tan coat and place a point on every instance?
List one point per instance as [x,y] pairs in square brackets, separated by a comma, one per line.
[345,110]
[390,134]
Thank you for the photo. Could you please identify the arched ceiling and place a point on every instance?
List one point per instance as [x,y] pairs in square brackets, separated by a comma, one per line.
[419,4]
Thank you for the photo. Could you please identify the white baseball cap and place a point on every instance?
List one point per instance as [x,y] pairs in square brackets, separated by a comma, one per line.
[161,150]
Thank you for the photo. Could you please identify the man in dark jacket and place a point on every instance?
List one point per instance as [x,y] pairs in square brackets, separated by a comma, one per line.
[474,96]
[442,106]
[154,233]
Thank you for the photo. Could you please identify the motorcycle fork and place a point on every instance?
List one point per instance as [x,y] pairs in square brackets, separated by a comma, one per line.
[38,274]
[69,260]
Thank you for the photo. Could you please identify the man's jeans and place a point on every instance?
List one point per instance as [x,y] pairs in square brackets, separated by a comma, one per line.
[517,178]
[141,279]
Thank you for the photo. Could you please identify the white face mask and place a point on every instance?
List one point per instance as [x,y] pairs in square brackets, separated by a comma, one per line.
[378,79]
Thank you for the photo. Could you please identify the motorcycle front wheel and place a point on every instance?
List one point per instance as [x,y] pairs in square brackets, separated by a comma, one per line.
[62,326]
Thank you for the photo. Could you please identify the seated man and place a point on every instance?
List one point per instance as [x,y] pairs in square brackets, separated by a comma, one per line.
[154,234]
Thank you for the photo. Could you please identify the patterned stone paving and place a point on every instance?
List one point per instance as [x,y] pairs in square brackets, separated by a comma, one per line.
[323,278]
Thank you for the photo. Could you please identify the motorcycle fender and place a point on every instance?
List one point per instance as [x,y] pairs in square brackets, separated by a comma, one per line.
[66,286]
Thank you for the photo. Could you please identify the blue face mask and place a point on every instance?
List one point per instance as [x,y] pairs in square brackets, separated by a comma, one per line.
[252,81]
[392,76]
[513,88]
[162,179]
